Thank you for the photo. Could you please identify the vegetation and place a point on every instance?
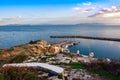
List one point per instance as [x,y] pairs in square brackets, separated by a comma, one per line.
[19,58]
[32,42]
[22,73]
[60,76]
[2,62]
[76,65]
[105,73]
[110,70]
[50,56]
[1,77]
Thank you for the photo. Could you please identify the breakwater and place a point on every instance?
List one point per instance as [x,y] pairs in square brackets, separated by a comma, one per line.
[89,37]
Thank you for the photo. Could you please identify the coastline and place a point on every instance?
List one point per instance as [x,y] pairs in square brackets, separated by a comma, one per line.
[55,54]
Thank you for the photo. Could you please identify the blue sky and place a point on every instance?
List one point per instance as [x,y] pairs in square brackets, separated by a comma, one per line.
[59,11]
[43,2]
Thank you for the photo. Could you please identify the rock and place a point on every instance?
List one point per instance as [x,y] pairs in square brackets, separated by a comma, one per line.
[45,75]
[32,48]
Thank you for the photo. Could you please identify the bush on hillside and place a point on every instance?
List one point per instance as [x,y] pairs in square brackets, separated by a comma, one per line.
[21,73]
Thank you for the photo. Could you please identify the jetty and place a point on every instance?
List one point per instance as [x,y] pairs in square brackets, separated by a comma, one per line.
[89,37]
[65,43]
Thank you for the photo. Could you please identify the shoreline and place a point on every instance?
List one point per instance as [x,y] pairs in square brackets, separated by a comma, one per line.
[70,64]
[64,45]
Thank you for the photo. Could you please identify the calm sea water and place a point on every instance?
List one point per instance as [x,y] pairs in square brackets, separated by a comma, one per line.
[15,35]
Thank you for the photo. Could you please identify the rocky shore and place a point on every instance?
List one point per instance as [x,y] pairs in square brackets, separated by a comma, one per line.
[31,48]
[76,66]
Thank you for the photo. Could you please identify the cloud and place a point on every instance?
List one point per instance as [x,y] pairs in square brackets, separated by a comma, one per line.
[76,8]
[10,20]
[84,7]
[87,4]
[60,20]
[83,10]
[107,15]
[113,12]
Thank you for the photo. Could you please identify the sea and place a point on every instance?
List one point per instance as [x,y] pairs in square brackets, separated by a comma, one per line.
[12,35]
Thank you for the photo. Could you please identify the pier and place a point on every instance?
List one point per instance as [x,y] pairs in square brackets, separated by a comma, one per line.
[65,45]
[88,37]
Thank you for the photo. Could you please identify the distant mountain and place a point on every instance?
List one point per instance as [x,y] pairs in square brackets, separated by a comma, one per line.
[81,24]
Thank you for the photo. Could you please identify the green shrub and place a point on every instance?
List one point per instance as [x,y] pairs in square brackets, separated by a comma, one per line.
[110,70]
[14,73]
[2,62]
[76,65]
[1,76]
[19,58]
[32,42]
[60,76]
[105,73]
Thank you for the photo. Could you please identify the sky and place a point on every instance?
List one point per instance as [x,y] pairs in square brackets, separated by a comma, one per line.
[59,12]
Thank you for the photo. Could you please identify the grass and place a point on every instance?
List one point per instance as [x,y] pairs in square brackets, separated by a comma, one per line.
[76,65]
[50,56]
[105,73]
[2,62]
[1,76]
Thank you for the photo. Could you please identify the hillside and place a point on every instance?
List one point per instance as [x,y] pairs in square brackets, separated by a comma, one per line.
[32,48]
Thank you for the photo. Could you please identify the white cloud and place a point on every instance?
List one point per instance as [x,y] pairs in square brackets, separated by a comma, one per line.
[76,8]
[104,16]
[84,7]
[61,20]
[113,12]
[83,10]
[87,4]
[11,20]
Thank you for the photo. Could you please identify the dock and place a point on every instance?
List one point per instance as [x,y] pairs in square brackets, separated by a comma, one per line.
[65,45]
[89,37]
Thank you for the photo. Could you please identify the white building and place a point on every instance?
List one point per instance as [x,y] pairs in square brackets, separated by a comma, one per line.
[91,54]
